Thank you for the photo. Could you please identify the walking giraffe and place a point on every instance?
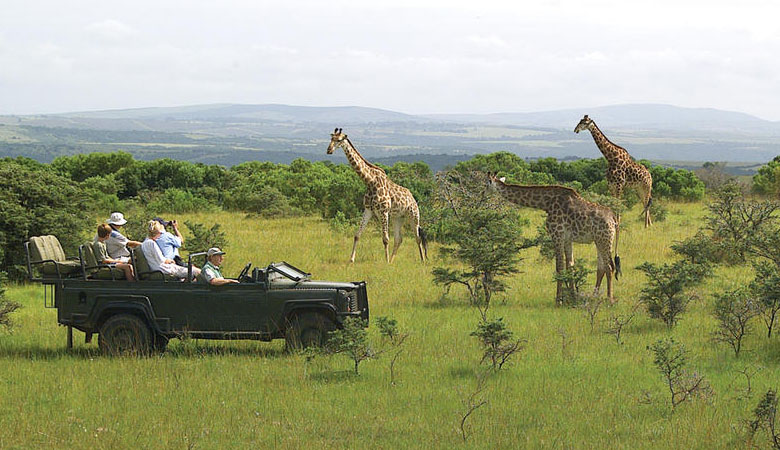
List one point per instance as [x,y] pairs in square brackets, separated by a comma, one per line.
[622,170]
[383,199]
[570,218]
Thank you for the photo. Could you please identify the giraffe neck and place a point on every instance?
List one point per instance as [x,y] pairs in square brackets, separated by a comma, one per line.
[610,151]
[365,170]
[538,197]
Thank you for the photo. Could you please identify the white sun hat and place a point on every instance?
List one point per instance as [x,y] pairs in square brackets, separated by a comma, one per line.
[116,219]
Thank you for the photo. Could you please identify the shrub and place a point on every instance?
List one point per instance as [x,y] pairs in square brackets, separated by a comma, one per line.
[573,278]
[263,200]
[7,307]
[765,417]
[203,238]
[734,311]
[177,201]
[670,358]
[497,342]
[766,288]
[352,340]
[663,293]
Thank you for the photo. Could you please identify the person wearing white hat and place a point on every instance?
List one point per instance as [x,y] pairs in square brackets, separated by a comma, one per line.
[117,243]
[155,257]
[211,272]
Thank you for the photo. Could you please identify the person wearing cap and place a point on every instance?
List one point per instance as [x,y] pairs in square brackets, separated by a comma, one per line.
[169,243]
[210,272]
[155,257]
[117,243]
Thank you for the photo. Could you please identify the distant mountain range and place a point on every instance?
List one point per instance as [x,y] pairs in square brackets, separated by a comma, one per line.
[231,133]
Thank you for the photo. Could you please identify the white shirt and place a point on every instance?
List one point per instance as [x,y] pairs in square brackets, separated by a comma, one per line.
[156,259]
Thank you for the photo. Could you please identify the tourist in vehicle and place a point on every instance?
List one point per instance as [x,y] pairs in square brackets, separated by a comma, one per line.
[155,257]
[101,253]
[117,243]
[170,243]
[211,270]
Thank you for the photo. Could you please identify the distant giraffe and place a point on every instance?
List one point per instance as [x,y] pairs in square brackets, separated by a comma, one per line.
[622,170]
[570,218]
[383,199]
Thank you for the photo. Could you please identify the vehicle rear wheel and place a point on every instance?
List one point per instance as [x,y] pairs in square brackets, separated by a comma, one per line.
[160,343]
[309,329]
[124,334]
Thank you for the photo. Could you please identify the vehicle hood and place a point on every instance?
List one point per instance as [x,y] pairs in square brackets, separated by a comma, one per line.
[316,284]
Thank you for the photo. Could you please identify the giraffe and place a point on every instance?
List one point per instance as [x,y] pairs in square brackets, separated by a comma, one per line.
[383,199]
[570,218]
[622,170]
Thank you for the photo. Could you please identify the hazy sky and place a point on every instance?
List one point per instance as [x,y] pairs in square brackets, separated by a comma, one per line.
[413,56]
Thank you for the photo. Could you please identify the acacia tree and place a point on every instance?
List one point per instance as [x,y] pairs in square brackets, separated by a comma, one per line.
[484,238]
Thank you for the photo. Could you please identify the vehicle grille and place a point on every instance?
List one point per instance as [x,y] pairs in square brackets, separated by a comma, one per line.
[352,301]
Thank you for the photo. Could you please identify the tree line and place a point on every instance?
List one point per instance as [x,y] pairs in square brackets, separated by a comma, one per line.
[60,198]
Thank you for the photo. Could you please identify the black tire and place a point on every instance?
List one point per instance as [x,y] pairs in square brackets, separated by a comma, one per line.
[125,334]
[308,329]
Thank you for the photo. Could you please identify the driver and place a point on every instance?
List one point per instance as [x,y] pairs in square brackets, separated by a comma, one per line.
[210,271]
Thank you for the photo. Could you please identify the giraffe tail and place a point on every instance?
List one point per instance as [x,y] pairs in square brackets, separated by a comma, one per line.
[647,206]
[423,239]
[616,262]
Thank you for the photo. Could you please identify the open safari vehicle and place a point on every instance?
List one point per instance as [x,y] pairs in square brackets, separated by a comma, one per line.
[273,302]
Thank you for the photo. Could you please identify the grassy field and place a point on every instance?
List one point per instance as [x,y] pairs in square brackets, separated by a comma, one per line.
[570,388]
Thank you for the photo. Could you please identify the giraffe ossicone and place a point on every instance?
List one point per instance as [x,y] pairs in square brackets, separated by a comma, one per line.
[384,199]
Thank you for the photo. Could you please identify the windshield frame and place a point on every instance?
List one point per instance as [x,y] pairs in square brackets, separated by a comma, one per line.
[288,271]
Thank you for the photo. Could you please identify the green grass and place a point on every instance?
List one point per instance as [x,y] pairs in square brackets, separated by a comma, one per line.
[206,394]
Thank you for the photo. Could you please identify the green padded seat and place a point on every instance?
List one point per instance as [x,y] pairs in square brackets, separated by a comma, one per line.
[46,252]
[99,271]
[142,269]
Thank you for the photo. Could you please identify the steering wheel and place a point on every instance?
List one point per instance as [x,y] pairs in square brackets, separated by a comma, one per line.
[244,271]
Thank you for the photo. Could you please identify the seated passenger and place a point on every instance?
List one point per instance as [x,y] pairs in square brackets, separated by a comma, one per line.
[210,271]
[101,254]
[117,244]
[155,257]
[169,243]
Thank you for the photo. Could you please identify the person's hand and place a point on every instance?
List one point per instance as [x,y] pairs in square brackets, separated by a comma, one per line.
[234,281]
[169,261]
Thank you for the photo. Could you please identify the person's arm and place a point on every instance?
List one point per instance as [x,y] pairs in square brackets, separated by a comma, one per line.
[221,281]
[176,232]
[132,244]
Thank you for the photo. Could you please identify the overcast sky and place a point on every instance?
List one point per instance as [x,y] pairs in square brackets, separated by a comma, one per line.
[412,56]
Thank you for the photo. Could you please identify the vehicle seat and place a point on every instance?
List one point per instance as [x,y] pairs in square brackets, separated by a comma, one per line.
[96,270]
[142,269]
[47,251]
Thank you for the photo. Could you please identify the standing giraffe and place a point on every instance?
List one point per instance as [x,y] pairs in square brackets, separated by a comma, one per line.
[570,218]
[383,199]
[622,170]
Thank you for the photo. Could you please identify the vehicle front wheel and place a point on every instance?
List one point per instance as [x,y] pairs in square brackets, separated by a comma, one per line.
[308,329]
[124,334]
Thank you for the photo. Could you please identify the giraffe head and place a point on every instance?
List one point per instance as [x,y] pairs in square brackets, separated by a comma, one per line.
[336,138]
[584,124]
[493,180]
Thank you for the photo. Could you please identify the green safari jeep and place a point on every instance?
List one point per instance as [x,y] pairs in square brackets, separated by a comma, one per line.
[278,301]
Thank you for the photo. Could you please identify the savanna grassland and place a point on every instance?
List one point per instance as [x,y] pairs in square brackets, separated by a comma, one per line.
[571,387]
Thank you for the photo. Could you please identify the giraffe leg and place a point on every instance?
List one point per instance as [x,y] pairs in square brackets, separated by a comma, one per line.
[647,201]
[398,237]
[418,235]
[569,254]
[366,217]
[605,269]
[559,267]
[385,233]
[599,275]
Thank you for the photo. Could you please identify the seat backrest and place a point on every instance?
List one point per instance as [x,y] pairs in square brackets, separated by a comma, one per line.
[90,260]
[140,264]
[44,248]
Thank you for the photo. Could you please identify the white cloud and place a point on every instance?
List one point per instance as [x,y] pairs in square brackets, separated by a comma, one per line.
[110,29]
